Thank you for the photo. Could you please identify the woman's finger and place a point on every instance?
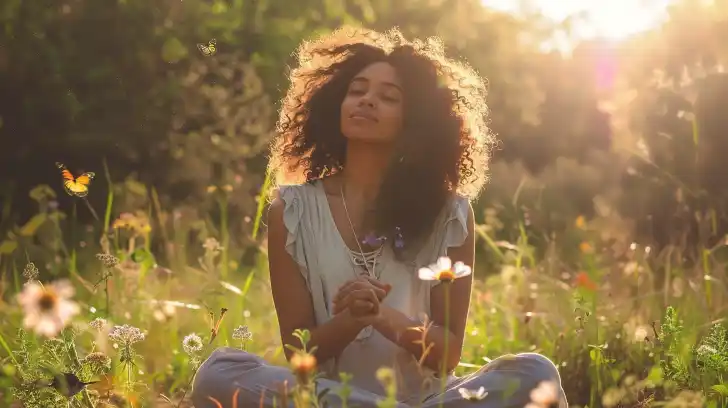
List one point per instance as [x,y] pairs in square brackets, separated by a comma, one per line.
[368,294]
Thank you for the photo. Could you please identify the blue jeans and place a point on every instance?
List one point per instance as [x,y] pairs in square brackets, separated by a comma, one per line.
[508,381]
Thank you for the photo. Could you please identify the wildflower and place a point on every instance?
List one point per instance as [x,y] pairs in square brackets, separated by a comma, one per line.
[30,273]
[126,335]
[302,365]
[586,248]
[444,270]
[98,323]
[544,395]
[580,222]
[242,333]
[192,344]
[138,223]
[583,280]
[48,309]
[108,260]
[97,362]
[212,245]
[473,395]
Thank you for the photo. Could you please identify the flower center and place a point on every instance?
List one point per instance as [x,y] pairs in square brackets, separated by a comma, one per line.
[447,275]
[47,301]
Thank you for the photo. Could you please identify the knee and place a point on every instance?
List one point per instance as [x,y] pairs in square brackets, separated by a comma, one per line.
[213,378]
[541,367]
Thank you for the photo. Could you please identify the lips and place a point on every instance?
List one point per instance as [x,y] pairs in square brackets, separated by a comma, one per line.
[363,115]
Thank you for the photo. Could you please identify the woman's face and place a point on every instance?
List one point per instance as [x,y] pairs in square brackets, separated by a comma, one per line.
[372,108]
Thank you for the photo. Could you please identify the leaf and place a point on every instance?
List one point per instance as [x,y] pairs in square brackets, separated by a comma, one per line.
[30,227]
[173,50]
[7,247]
[655,376]
[721,389]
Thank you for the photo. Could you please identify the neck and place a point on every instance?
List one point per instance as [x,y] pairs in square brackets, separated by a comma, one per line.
[365,167]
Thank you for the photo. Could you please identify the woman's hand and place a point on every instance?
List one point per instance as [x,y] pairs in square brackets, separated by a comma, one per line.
[361,298]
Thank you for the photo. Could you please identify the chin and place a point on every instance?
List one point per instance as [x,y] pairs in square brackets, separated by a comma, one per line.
[366,137]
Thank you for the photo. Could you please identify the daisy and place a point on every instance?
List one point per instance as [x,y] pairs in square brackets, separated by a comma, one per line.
[473,395]
[48,309]
[444,271]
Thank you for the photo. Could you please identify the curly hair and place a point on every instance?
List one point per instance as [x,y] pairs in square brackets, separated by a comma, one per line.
[445,145]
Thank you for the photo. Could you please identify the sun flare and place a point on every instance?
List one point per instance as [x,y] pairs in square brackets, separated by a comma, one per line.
[612,20]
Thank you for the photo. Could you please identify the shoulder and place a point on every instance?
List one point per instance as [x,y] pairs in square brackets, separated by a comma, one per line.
[291,200]
[460,208]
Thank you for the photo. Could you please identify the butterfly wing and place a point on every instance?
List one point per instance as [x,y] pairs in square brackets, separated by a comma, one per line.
[204,49]
[69,181]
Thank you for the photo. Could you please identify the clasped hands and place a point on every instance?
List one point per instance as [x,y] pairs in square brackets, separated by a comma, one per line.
[361,298]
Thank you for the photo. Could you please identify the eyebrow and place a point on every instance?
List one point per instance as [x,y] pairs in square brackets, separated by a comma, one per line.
[387,83]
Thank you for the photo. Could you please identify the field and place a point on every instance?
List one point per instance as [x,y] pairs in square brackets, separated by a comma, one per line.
[626,326]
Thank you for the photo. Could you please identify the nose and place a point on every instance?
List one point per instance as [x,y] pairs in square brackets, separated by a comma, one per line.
[366,101]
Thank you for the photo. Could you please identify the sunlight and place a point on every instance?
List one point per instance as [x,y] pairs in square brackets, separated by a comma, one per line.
[612,20]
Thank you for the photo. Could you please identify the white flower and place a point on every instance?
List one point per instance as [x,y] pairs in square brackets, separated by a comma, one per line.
[47,309]
[192,344]
[242,333]
[473,395]
[126,335]
[98,323]
[443,270]
[545,394]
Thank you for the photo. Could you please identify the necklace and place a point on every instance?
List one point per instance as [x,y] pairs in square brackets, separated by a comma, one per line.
[364,258]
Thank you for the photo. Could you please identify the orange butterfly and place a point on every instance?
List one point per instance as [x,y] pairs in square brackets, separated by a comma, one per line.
[75,186]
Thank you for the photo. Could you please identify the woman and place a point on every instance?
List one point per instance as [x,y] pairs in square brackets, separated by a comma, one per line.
[381,145]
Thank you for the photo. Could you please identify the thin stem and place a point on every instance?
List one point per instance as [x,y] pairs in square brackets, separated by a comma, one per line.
[106,293]
[443,375]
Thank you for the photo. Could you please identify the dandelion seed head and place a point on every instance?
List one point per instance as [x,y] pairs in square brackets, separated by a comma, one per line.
[192,344]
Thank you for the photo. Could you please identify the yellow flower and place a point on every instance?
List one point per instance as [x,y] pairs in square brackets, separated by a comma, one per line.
[443,270]
[585,247]
[580,222]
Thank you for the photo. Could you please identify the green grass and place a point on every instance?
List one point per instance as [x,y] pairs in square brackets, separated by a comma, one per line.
[625,326]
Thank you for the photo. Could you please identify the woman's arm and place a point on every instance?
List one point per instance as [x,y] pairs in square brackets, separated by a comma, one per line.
[292,298]
[398,328]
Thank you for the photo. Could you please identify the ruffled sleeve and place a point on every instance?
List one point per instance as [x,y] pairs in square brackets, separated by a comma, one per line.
[451,230]
[456,225]
[292,217]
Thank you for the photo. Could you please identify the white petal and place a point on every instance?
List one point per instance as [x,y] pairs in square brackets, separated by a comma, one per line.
[47,326]
[465,393]
[30,294]
[427,274]
[444,263]
[63,289]
[481,393]
[66,310]
[461,270]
